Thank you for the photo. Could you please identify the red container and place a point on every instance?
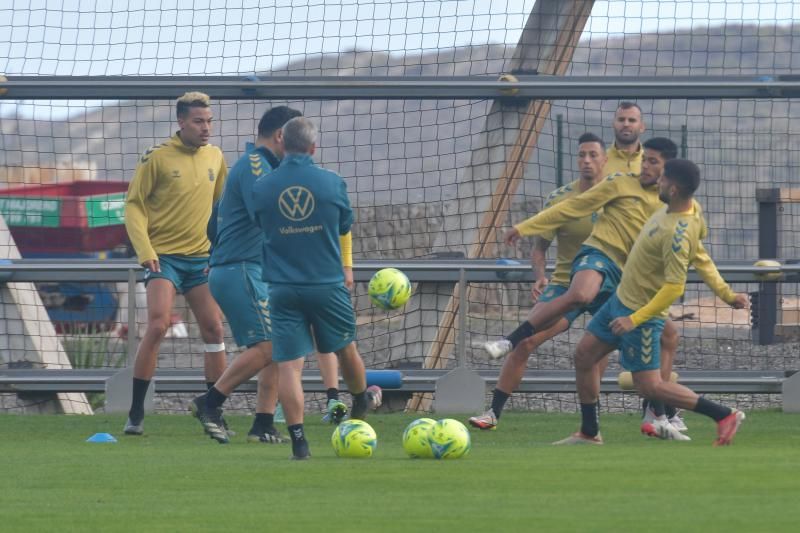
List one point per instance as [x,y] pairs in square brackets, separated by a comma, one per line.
[66,218]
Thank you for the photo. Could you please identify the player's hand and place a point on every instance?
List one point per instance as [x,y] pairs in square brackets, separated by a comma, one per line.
[622,325]
[348,278]
[152,265]
[206,270]
[538,288]
[511,236]
[742,301]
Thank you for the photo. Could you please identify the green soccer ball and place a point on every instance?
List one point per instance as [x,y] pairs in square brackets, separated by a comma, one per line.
[416,441]
[449,439]
[389,289]
[354,438]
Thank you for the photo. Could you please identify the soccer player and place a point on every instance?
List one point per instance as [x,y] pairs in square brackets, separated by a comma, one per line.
[627,202]
[166,211]
[235,282]
[625,154]
[633,318]
[591,164]
[305,215]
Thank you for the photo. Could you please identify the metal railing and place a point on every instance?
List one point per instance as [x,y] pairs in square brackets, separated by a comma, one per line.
[527,86]
[421,270]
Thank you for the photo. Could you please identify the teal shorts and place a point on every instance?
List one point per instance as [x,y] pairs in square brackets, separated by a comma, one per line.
[242,296]
[640,348]
[552,292]
[183,271]
[299,310]
[590,258]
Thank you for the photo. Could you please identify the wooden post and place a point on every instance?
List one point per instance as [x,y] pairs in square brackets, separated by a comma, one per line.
[27,330]
[547,45]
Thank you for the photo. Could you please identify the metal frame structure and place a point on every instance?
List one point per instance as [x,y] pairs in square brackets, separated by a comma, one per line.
[765,304]
[528,86]
[461,271]
[537,381]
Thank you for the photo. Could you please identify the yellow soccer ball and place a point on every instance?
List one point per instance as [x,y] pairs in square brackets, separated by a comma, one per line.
[449,439]
[354,438]
[625,380]
[389,289]
[768,276]
[416,441]
[508,78]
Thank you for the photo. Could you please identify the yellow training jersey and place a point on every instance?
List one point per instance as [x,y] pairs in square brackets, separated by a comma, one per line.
[665,248]
[626,207]
[170,197]
[570,236]
[622,162]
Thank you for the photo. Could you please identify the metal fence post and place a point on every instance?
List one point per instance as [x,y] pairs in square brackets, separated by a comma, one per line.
[559,150]
[463,308]
[132,327]
[765,315]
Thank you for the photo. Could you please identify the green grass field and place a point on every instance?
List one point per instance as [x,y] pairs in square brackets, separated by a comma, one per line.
[176,479]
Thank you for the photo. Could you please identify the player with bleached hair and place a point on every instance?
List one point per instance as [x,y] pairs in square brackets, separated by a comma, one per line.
[167,208]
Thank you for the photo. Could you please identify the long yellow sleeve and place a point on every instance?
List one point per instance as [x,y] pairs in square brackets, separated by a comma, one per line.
[707,270]
[346,244]
[659,303]
[573,208]
[135,212]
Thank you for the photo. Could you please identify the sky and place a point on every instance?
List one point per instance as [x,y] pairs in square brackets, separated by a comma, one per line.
[216,37]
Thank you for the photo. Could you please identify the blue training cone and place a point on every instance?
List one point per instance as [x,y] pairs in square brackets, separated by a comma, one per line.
[101,437]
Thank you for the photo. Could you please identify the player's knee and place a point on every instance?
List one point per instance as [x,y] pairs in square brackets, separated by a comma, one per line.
[524,349]
[669,339]
[212,333]
[647,388]
[347,351]
[584,359]
[264,350]
[157,326]
[579,297]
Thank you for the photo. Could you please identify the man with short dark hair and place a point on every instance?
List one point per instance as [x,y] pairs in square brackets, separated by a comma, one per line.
[570,237]
[166,211]
[235,283]
[633,318]
[627,201]
[305,214]
[625,153]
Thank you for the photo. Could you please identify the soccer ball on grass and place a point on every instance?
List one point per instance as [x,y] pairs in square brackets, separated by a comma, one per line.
[416,441]
[354,438]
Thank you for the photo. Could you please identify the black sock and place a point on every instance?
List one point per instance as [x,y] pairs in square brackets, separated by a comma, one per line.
[214,398]
[657,406]
[524,331]
[209,384]
[299,442]
[590,421]
[711,409]
[499,399]
[261,422]
[332,393]
[645,403]
[140,386]
[670,411]
[359,405]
